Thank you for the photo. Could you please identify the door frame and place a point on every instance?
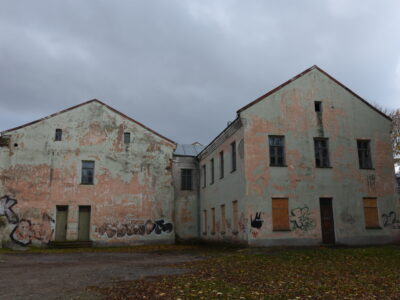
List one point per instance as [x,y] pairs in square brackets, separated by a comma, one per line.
[79,220]
[330,199]
[61,208]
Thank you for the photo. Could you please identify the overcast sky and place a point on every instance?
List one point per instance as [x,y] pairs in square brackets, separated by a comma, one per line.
[183,68]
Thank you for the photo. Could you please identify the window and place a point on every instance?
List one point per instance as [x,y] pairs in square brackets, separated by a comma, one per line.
[213,220]
[233,156]
[318,106]
[280,214]
[127,137]
[212,171]
[235,216]
[221,164]
[364,154]
[58,136]
[186,179]
[371,213]
[205,221]
[87,172]
[276,150]
[223,225]
[321,153]
[204,176]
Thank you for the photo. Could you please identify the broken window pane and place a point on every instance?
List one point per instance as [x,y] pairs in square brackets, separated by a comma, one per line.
[321,153]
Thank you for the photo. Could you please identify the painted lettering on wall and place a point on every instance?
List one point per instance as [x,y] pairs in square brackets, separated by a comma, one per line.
[390,219]
[134,227]
[257,221]
[301,219]
[6,204]
[25,230]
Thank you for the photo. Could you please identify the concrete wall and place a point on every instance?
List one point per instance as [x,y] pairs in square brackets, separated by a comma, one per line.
[224,190]
[186,201]
[290,112]
[132,186]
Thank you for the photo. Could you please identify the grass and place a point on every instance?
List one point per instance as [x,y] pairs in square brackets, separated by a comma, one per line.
[275,273]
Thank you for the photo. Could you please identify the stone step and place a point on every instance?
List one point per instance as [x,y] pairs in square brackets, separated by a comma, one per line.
[70,244]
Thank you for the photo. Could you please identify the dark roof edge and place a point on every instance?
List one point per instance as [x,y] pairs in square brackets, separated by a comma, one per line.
[302,74]
[82,104]
[226,128]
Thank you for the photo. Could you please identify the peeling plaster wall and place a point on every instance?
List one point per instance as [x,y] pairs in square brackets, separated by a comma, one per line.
[132,183]
[290,112]
[186,202]
[224,190]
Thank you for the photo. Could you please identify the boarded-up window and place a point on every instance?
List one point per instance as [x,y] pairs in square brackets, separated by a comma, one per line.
[280,214]
[235,216]
[205,221]
[371,213]
[223,225]
[213,220]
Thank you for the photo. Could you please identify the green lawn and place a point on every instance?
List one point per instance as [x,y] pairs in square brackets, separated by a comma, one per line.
[275,273]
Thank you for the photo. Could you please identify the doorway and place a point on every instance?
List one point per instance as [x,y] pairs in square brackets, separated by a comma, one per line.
[327,222]
[84,223]
[61,222]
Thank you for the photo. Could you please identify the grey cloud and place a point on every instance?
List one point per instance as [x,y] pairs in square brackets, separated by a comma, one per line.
[183,68]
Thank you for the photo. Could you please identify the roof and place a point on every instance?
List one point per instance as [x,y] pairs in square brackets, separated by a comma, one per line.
[188,149]
[82,104]
[301,75]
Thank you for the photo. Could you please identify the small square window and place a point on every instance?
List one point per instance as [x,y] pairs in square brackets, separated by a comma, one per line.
[58,136]
[318,106]
[87,172]
[127,137]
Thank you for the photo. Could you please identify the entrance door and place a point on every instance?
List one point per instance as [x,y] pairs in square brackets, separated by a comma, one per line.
[84,223]
[327,223]
[61,222]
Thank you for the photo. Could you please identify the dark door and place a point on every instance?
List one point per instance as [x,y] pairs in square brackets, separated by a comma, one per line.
[327,223]
[61,222]
[84,223]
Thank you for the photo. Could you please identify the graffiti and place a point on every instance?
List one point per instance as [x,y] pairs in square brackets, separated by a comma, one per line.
[27,231]
[6,204]
[257,221]
[134,228]
[301,218]
[390,219]
[347,218]
[371,182]
[254,233]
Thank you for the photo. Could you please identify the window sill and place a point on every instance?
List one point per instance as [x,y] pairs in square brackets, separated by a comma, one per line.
[367,169]
[281,230]
[373,227]
[328,167]
[87,183]
[233,170]
[285,166]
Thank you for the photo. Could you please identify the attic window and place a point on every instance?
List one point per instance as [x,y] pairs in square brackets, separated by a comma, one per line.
[127,137]
[58,136]
[4,141]
[318,106]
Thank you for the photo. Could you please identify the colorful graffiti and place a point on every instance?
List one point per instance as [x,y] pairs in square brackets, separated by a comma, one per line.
[390,219]
[257,221]
[134,228]
[300,218]
[27,231]
[6,204]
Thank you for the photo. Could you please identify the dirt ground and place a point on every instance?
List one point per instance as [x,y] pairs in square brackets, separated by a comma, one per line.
[38,276]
